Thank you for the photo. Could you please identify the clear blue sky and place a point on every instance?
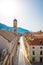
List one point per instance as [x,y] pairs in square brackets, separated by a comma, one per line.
[33,13]
[28,12]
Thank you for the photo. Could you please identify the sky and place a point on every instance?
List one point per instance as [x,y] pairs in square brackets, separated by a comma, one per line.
[29,13]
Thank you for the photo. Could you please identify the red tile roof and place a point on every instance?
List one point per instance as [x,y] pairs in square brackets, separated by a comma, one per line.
[34,38]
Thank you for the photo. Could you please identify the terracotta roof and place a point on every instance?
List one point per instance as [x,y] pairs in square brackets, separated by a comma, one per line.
[7,35]
[34,38]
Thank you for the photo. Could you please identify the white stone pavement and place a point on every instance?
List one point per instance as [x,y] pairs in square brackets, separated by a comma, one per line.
[20,54]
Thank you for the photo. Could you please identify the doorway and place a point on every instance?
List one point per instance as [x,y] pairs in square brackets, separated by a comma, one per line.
[41,60]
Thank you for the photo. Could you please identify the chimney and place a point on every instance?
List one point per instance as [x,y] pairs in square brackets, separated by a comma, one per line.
[15,25]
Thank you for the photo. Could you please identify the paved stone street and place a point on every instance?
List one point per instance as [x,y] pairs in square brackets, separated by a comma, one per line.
[21,59]
[19,56]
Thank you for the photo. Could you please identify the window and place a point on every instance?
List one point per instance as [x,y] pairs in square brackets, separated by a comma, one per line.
[40,52]
[33,59]
[33,47]
[33,52]
[40,47]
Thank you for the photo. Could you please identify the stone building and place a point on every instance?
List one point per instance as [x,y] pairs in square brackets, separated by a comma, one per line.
[9,40]
[34,46]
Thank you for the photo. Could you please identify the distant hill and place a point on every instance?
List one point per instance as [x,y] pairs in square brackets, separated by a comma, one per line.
[19,29]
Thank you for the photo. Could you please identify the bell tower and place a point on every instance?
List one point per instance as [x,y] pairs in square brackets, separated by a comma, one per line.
[15,25]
